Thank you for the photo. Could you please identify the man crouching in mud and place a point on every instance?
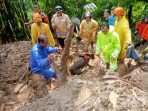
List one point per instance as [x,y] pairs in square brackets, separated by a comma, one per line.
[41,58]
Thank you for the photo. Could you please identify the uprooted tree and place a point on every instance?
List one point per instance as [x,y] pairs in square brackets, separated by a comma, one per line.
[63,70]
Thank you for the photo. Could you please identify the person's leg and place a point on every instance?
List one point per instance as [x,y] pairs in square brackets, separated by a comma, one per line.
[113,64]
[47,73]
[144,41]
[61,41]
[137,44]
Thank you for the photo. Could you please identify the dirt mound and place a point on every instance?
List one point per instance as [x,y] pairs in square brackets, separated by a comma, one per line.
[111,94]
[14,58]
[91,91]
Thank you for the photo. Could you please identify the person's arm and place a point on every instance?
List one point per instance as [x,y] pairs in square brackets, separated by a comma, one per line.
[46,20]
[95,28]
[98,44]
[51,50]
[127,35]
[50,37]
[81,28]
[117,46]
[30,22]
[41,62]
[68,22]
[33,34]
[52,23]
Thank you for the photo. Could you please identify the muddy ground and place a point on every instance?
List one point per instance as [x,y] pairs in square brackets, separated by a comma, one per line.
[90,91]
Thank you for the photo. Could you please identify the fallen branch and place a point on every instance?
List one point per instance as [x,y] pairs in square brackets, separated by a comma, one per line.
[131,83]
[82,102]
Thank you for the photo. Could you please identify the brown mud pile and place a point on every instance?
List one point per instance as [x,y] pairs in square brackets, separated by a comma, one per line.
[90,91]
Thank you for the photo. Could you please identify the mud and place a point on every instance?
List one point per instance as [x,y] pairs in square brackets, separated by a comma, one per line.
[96,89]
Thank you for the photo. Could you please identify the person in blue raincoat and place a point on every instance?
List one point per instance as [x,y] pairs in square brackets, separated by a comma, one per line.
[41,57]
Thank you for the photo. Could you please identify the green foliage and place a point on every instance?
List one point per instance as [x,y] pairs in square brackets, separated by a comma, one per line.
[22,10]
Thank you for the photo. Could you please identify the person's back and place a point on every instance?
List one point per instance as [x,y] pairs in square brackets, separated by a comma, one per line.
[111,20]
[121,27]
[145,33]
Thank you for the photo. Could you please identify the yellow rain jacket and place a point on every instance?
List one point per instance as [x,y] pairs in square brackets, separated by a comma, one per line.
[44,29]
[88,30]
[124,32]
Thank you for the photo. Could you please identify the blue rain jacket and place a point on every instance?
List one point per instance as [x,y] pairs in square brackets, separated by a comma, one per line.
[111,20]
[39,62]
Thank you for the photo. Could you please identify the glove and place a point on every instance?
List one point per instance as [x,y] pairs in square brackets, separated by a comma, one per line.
[115,53]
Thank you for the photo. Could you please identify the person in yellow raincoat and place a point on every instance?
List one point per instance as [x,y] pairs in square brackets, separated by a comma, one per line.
[108,46]
[88,29]
[123,30]
[39,28]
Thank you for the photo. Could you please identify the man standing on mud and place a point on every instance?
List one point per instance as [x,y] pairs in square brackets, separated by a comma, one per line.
[61,24]
[108,46]
[88,30]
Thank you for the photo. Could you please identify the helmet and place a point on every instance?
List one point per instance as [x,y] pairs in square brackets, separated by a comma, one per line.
[118,11]
[58,8]
[37,17]
[88,14]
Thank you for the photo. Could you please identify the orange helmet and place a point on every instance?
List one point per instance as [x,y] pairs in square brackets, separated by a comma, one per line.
[118,11]
[37,17]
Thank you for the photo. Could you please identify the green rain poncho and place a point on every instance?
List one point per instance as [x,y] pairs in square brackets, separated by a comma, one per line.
[108,47]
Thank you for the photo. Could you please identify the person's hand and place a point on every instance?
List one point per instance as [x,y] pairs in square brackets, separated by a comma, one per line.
[51,57]
[59,50]
[54,26]
[112,59]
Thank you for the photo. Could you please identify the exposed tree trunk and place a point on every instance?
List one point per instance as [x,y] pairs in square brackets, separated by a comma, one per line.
[63,70]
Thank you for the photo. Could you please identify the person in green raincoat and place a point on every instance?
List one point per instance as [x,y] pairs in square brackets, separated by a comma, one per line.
[108,46]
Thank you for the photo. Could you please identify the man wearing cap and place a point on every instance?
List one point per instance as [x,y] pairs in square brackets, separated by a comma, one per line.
[61,24]
[41,58]
[123,30]
[88,29]
[39,28]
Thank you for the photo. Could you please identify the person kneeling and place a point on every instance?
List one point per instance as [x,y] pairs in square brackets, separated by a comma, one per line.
[41,58]
[108,46]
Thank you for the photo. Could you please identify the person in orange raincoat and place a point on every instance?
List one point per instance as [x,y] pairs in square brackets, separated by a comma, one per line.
[39,28]
[123,30]
[142,29]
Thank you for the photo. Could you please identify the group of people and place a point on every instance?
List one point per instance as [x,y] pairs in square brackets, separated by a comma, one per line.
[112,39]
